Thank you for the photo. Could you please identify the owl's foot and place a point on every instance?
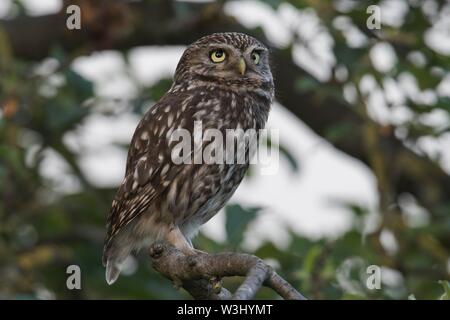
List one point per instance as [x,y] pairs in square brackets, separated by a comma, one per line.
[216,284]
[177,283]
[194,252]
[176,238]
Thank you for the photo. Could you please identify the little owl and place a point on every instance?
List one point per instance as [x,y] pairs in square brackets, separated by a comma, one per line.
[222,80]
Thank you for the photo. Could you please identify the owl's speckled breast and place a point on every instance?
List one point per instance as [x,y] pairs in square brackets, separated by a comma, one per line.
[218,182]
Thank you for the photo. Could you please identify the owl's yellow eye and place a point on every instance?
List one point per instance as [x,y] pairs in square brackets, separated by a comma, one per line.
[255,57]
[218,56]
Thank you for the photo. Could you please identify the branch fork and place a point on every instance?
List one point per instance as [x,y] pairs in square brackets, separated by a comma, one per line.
[201,274]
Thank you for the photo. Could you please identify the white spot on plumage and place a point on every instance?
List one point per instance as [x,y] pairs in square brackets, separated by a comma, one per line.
[165,169]
[169,120]
[233,101]
[169,132]
[161,131]
[144,135]
[166,183]
[184,105]
[199,114]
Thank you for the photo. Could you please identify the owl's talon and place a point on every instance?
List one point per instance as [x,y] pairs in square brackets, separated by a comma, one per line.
[177,283]
[198,252]
[216,283]
[156,250]
[191,261]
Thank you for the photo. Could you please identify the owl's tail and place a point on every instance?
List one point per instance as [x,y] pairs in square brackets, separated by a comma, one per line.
[113,259]
[112,271]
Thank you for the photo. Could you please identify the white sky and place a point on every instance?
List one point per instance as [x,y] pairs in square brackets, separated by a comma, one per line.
[305,201]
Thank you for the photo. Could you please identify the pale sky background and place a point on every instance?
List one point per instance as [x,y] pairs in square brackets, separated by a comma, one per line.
[306,201]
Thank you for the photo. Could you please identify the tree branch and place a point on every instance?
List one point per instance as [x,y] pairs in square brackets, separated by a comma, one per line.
[200,274]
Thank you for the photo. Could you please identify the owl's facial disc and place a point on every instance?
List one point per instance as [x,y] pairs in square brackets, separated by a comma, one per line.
[220,61]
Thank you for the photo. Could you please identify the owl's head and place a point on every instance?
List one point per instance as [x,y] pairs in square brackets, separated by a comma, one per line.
[234,59]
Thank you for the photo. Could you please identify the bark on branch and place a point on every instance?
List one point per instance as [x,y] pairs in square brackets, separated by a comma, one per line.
[201,274]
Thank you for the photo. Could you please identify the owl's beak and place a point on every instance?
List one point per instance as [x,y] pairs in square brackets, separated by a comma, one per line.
[242,66]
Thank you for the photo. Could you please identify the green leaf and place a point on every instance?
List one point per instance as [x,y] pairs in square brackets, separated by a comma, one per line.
[293,162]
[273,3]
[310,259]
[83,87]
[160,88]
[446,285]
[237,221]
[348,56]
[339,131]
[306,83]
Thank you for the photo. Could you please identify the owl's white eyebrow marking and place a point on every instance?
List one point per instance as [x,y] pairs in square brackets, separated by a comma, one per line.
[258,47]
[219,45]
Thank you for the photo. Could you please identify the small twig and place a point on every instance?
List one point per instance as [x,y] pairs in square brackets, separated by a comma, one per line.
[283,288]
[256,276]
[199,274]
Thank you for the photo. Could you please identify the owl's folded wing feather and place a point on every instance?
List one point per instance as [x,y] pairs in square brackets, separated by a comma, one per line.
[150,170]
[149,167]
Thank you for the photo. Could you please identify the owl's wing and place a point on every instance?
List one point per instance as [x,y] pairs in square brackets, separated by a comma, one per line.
[149,167]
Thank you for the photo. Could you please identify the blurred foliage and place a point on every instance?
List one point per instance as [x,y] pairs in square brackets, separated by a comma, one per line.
[43,229]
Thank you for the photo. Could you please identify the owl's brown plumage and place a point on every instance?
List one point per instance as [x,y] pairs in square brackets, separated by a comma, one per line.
[222,80]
